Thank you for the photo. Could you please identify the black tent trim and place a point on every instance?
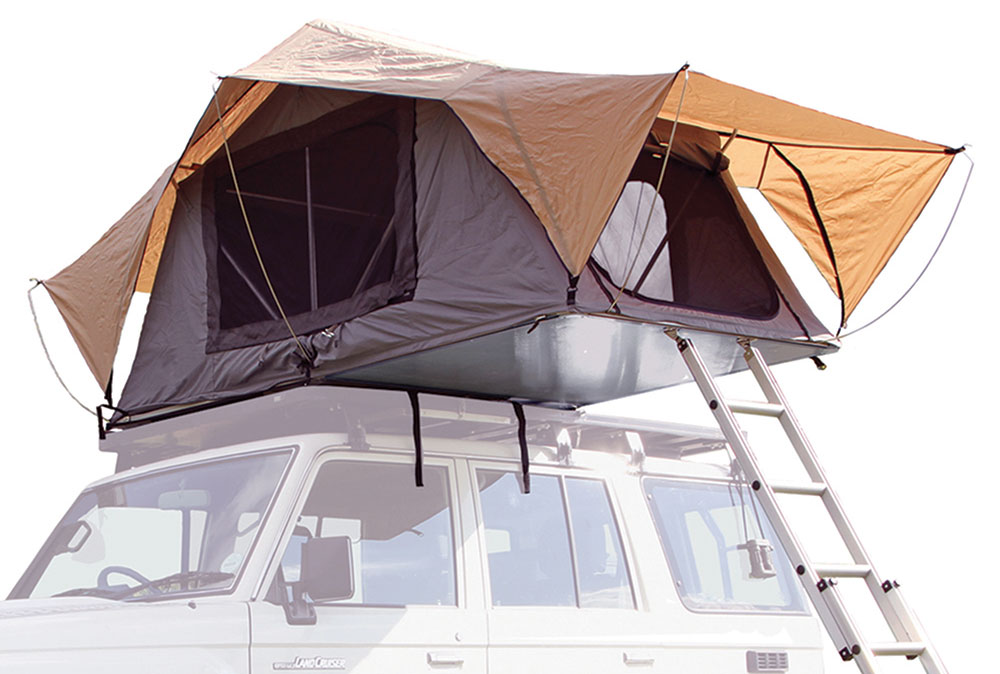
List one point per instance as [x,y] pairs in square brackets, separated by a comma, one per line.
[418,445]
[822,231]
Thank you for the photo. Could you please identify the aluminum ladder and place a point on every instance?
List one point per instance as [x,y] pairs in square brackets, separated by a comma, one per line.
[819,580]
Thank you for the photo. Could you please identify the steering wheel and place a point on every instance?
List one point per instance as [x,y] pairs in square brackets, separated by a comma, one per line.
[102,577]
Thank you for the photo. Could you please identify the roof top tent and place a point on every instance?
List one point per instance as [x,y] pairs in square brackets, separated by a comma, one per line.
[356,209]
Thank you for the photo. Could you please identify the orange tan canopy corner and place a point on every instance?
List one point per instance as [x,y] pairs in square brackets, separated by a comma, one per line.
[848,192]
[566,142]
[94,293]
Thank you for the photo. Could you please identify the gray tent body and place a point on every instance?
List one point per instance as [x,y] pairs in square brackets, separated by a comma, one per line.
[476,302]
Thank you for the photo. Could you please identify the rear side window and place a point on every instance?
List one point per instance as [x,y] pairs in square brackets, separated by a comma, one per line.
[559,545]
[708,532]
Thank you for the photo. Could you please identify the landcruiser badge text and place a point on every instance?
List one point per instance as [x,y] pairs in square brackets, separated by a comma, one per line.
[311,663]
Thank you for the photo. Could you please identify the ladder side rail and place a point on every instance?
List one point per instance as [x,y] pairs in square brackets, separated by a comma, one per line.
[768,384]
[901,619]
[821,593]
[903,628]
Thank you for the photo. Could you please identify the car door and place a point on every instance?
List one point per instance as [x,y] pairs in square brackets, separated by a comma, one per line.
[561,590]
[409,611]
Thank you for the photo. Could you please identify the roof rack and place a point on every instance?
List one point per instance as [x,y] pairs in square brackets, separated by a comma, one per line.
[363,412]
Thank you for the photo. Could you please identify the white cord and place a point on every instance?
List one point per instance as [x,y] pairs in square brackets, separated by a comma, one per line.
[652,203]
[41,339]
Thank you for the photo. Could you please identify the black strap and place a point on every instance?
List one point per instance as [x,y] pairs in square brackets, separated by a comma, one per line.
[811,200]
[418,445]
[522,439]
[571,290]
[107,391]
[101,434]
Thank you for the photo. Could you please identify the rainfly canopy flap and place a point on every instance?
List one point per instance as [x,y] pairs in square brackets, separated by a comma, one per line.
[848,192]
[93,294]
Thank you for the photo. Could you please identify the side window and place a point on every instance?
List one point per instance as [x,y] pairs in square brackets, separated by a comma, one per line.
[600,561]
[533,559]
[709,532]
[527,541]
[401,535]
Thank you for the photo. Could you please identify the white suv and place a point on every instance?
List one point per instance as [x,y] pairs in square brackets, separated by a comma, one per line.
[628,552]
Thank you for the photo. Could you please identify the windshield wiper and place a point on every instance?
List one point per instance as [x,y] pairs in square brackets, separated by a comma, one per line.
[100,592]
[183,578]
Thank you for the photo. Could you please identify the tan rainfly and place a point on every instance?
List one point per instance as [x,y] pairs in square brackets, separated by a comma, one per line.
[567,142]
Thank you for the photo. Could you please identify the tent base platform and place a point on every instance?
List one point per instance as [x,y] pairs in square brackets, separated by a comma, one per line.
[568,360]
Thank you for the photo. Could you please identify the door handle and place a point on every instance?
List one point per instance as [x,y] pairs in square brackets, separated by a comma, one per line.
[638,658]
[445,659]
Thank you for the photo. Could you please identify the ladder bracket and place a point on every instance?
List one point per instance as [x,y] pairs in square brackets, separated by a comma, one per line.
[889,585]
[847,654]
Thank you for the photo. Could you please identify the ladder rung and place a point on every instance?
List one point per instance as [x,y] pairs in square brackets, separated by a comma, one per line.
[842,570]
[811,489]
[908,648]
[754,407]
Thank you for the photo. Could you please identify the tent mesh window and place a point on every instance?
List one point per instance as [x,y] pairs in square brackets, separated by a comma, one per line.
[696,250]
[330,205]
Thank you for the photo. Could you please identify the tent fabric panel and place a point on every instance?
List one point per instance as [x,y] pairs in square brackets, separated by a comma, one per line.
[171,364]
[277,237]
[484,263]
[299,106]
[693,144]
[156,233]
[715,265]
[201,149]
[228,93]
[284,107]
[321,54]
[747,160]
[793,318]
[203,144]
[791,301]
[867,202]
[566,141]
[592,299]
[720,106]
[94,293]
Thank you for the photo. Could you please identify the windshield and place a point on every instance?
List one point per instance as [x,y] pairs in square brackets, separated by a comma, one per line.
[169,532]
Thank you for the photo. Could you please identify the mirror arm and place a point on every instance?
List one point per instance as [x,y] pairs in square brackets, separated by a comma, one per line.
[298,607]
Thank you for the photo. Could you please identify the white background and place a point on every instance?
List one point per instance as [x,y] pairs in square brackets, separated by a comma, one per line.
[99,98]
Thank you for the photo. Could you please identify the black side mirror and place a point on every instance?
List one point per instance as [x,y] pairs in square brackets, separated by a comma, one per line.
[326,573]
[327,569]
